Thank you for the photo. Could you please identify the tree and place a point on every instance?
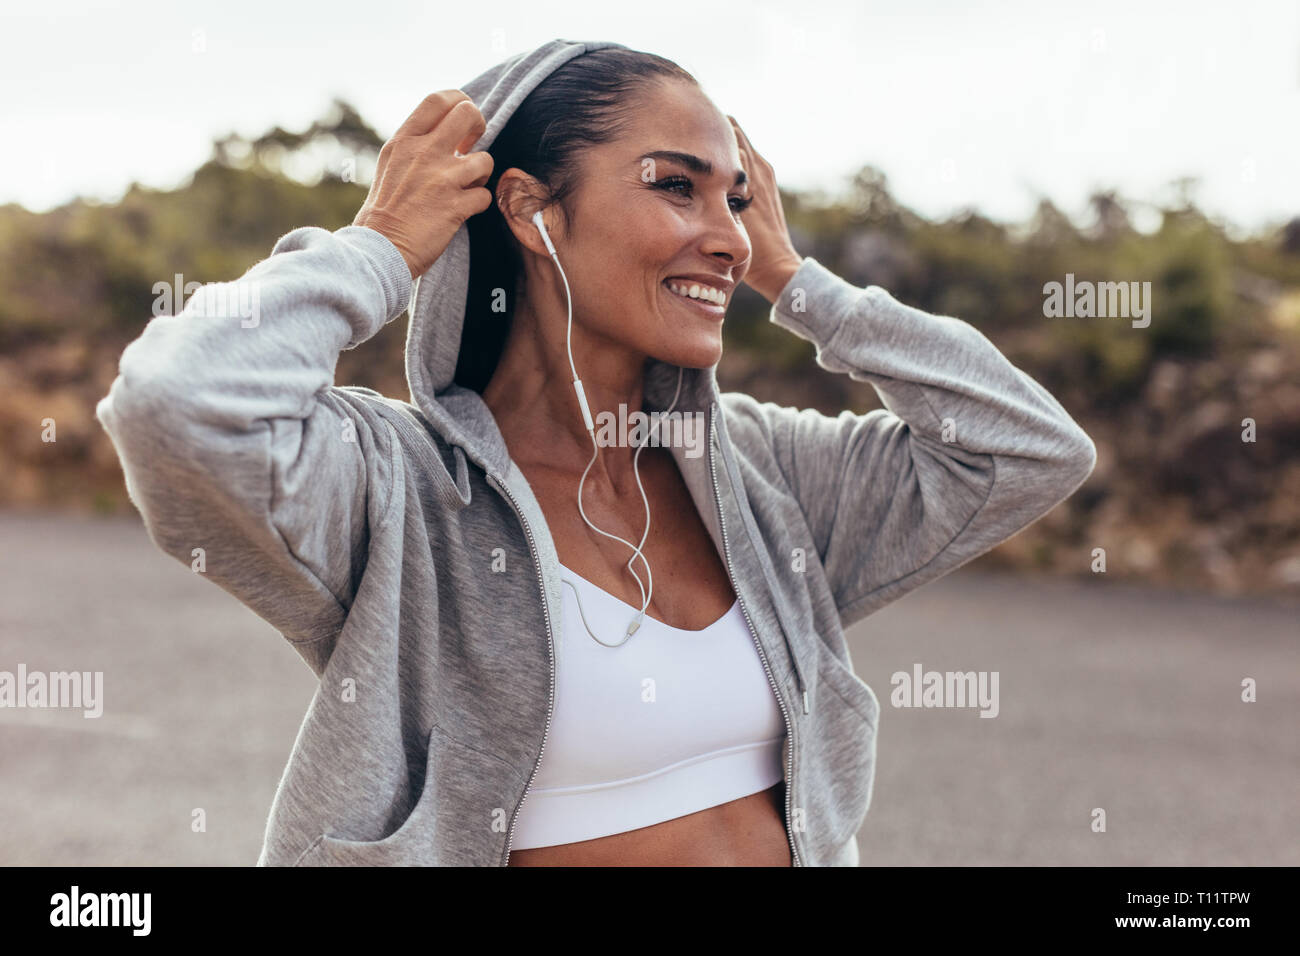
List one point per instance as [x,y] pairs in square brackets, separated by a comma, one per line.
[1111,216]
[339,146]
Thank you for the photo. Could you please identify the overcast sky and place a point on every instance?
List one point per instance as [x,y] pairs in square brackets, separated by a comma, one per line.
[960,103]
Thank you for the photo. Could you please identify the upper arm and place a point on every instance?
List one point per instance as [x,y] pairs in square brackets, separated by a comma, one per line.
[889,509]
[244,459]
[967,450]
[880,504]
[278,514]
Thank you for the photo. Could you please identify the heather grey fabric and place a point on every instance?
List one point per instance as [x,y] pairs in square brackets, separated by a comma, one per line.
[402,554]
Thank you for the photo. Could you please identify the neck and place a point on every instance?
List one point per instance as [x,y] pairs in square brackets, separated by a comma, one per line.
[532,397]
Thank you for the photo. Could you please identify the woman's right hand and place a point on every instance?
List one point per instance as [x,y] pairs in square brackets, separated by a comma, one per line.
[425,184]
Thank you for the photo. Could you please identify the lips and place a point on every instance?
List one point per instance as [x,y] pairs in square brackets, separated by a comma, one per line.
[698,306]
[704,289]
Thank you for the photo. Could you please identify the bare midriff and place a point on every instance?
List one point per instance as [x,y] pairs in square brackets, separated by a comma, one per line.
[745,832]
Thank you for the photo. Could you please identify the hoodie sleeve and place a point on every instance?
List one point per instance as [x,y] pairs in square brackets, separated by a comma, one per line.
[234,440]
[967,451]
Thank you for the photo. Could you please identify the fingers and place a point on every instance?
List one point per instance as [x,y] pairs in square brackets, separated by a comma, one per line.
[476,168]
[747,148]
[451,123]
[459,130]
[430,112]
[742,144]
[741,139]
[451,117]
[476,200]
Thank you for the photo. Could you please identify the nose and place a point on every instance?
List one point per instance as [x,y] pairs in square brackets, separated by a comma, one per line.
[724,237]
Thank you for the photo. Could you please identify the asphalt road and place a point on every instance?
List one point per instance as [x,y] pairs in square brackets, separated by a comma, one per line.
[1110,697]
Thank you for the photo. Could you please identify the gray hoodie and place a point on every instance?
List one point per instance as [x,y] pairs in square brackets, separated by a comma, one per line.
[399,550]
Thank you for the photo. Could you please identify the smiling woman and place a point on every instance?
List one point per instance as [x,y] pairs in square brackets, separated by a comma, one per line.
[444,560]
[638,177]
[605,130]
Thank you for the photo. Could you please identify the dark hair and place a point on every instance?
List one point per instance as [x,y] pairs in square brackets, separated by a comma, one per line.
[586,102]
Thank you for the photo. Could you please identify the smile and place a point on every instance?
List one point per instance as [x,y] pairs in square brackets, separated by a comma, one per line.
[709,301]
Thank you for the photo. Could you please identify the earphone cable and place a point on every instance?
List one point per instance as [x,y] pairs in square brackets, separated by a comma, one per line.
[577,383]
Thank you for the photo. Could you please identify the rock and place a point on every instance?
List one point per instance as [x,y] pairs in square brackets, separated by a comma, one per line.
[1287,572]
[1140,554]
[1208,417]
[1264,367]
[1165,382]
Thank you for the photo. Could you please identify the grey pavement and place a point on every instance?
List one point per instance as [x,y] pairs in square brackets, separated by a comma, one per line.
[1110,696]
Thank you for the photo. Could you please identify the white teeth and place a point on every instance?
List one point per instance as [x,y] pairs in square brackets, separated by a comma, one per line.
[697,291]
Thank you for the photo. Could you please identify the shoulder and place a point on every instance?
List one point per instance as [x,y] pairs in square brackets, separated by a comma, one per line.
[741,410]
[754,429]
[406,424]
[762,427]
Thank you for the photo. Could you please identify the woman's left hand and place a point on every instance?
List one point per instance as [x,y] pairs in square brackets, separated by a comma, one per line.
[774,259]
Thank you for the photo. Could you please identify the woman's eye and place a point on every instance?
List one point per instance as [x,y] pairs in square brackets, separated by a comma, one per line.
[683,186]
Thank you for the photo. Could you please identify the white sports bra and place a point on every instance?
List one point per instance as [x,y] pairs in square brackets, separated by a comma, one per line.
[669,723]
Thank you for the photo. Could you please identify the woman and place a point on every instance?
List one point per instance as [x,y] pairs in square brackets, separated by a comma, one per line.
[537,646]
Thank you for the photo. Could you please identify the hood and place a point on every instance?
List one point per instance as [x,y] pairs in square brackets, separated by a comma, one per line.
[433,340]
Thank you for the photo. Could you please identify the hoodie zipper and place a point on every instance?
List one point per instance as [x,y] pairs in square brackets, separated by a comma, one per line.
[550,640]
[789,724]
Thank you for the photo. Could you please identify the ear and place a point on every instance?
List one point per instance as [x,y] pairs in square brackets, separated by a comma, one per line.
[518,196]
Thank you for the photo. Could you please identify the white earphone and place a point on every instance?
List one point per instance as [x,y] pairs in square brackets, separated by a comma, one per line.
[595,448]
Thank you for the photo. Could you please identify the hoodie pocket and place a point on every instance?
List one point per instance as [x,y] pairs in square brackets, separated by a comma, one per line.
[849,687]
[842,745]
[451,823]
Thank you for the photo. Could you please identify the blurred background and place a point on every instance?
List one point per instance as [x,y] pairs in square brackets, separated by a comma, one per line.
[959,155]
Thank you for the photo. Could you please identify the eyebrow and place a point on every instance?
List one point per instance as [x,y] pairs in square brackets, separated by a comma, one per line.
[694,163]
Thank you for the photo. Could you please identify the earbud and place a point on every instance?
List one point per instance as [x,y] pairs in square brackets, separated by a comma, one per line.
[591,430]
[541,227]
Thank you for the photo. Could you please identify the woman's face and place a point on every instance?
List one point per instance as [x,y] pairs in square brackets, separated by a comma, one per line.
[643,219]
